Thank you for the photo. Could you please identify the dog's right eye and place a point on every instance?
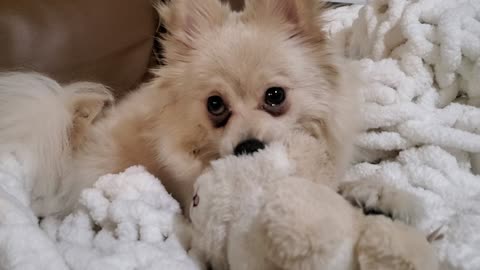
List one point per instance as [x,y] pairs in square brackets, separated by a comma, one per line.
[218,111]
[216,106]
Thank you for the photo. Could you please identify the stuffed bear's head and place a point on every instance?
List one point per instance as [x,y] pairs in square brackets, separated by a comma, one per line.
[231,190]
[228,190]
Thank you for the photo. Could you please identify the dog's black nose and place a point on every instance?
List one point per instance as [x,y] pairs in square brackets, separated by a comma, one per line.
[249,146]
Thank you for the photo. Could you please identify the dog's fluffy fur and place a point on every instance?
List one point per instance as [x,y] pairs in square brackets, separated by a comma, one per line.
[165,125]
[43,123]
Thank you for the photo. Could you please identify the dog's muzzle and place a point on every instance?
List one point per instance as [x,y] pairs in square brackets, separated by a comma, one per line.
[247,147]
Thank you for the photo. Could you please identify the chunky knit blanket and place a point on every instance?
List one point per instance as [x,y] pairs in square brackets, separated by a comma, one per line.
[422,121]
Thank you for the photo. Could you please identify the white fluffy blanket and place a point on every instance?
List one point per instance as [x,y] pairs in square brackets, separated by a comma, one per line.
[422,129]
[126,221]
[422,61]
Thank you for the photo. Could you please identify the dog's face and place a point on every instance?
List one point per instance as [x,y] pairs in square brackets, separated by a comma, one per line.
[238,81]
[254,84]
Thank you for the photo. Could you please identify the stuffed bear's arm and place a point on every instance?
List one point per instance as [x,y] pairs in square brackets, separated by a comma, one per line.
[374,195]
[387,244]
[307,226]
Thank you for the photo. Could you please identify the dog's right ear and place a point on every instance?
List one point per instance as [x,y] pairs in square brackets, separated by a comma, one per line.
[185,21]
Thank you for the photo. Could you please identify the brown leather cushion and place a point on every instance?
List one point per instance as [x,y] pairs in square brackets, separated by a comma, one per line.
[107,41]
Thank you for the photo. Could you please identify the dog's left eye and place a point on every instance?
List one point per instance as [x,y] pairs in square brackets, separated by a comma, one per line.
[274,101]
[274,96]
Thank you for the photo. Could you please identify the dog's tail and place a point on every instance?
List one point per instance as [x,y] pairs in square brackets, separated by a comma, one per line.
[42,122]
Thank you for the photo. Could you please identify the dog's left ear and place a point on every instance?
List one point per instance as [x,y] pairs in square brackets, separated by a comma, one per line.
[304,16]
[186,20]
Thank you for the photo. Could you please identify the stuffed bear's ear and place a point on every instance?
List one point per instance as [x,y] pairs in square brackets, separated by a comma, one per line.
[186,20]
[88,103]
[303,15]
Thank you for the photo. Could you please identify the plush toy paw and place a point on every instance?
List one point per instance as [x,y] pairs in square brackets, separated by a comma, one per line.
[376,197]
[391,245]
[307,226]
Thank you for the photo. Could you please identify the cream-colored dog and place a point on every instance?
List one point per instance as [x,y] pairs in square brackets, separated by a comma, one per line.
[233,83]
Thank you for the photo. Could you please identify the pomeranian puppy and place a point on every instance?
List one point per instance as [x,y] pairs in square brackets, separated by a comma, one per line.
[233,82]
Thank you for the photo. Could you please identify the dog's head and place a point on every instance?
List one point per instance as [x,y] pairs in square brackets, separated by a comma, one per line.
[236,82]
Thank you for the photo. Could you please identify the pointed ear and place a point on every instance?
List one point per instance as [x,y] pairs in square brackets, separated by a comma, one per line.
[88,103]
[186,20]
[303,15]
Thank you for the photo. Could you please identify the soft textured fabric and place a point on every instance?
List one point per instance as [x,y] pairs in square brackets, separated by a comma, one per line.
[126,221]
[421,129]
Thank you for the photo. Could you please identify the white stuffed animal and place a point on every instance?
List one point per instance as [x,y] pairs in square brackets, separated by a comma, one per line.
[256,212]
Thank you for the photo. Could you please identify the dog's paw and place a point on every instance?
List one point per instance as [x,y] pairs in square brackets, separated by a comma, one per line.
[375,197]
